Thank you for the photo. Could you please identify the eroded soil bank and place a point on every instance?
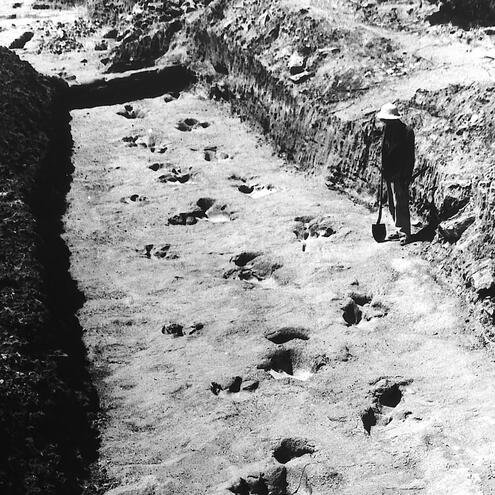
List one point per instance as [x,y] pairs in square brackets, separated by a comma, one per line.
[48,404]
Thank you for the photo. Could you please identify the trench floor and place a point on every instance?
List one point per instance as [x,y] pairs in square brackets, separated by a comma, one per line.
[166,425]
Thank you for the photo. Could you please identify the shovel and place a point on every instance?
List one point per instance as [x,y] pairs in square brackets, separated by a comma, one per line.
[378,229]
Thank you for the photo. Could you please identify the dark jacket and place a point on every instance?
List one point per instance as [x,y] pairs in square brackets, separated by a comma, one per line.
[398,153]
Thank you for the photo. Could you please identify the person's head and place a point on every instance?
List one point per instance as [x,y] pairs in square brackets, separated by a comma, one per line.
[389,115]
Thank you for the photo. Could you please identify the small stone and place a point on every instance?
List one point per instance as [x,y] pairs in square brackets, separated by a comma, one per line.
[296,63]
[301,77]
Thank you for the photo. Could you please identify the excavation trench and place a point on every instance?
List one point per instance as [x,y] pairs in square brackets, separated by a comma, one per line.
[49,405]
[53,439]
[168,426]
[129,87]
[73,425]
[164,431]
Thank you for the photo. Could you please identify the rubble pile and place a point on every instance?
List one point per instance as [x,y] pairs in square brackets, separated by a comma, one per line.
[109,11]
[61,37]
[145,29]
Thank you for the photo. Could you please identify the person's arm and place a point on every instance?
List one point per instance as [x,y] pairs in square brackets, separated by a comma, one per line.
[385,154]
[411,153]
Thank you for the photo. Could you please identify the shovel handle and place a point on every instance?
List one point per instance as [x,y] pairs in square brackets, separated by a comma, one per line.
[380,197]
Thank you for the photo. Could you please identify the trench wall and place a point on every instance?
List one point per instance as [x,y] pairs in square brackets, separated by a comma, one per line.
[466,12]
[454,191]
[48,406]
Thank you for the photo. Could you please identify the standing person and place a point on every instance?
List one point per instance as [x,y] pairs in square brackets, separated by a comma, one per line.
[397,168]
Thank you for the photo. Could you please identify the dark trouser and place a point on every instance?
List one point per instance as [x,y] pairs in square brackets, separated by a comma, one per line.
[398,204]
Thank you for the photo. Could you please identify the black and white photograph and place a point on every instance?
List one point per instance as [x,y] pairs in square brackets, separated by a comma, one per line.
[247,247]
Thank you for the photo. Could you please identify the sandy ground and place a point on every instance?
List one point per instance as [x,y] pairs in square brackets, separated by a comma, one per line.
[412,364]
[162,418]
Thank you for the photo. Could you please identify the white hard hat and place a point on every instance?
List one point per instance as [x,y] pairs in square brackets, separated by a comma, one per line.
[388,112]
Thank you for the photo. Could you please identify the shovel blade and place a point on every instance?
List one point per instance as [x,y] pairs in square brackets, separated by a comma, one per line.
[379,232]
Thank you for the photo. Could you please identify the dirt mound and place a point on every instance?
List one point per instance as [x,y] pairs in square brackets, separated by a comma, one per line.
[61,38]
[48,402]
[109,11]
[144,29]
